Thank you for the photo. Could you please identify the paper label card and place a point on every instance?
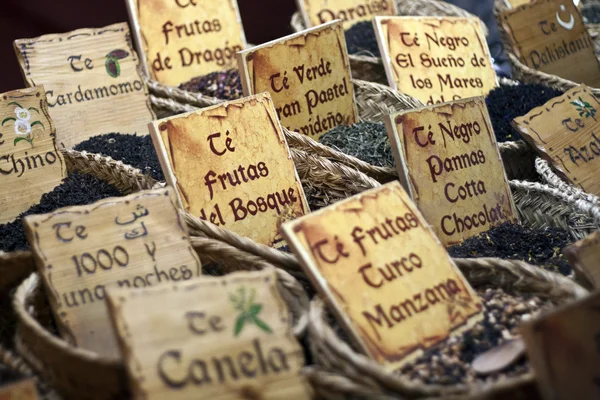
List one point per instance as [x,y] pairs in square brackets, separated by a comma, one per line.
[128,242]
[317,12]
[448,159]
[30,162]
[23,390]
[392,284]
[583,257]
[565,131]
[435,59]
[231,166]
[517,3]
[92,81]
[564,350]
[549,36]
[181,39]
[226,338]
[308,77]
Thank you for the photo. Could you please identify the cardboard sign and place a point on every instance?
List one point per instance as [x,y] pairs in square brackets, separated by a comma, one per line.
[390,281]
[30,162]
[182,39]
[564,350]
[23,390]
[308,76]
[226,338]
[448,160]
[549,36]
[584,257]
[231,166]
[128,242]
[435,59]
[317,12]
[565,131]
[93,84]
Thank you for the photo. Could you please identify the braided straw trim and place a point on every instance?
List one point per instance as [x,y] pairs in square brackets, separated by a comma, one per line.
[374,101]
[545,171]
[182,96]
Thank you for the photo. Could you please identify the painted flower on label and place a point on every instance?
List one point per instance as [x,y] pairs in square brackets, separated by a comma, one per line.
[23,128]
[248,311]
[22,114]
[584,108]
[113,68]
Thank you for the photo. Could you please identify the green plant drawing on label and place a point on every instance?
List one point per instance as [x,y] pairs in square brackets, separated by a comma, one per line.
[23,126]
[248,311]
[584,108]
[113,68]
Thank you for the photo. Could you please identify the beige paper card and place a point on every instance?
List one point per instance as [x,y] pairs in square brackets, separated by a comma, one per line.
[377,262]
[23,390]
[317,12]
[308,76]
[584,257]
[448,159]
[517,3]
[181,39]
[30,162]
[92,81]
[565,131]
[231,166]
[128,242]
[549,36]
[435,59]
[564,350]
[216,337]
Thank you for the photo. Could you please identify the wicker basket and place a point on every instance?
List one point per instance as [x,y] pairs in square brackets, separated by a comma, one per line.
[341,371]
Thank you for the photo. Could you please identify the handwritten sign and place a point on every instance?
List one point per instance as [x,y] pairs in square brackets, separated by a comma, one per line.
[549,36]
[564,350]
[92,81]
[436,59]
[23,390]
[226,338]
[386,275]
[308,76]
[232,167]
[517,3]
[583,257]
[317,12]
[565,131]
[183,39]
[128,242]
[30,163]
[448,159]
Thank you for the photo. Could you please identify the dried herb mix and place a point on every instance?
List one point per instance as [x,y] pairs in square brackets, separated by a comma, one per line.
[361,40]
[75,190]
[225,85]
[541,247]
[137,151]
[591,13]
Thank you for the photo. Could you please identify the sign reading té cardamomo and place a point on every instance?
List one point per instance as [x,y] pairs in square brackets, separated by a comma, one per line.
[317,12]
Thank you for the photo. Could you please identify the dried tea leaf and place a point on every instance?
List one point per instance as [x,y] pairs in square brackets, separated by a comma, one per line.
[499,358]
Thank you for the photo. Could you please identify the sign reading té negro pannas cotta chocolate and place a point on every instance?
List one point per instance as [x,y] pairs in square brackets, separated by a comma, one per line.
[128,242]
[30,162]
[386,275]
[317,12]
[448,159]
[550,36]
[308,76]
[226,338]
[231,166]
[436,59]
[182,39]
[92,81]
[566,131]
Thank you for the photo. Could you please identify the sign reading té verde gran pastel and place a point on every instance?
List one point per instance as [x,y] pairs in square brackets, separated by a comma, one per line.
[436,59]
[92,81]
[308,77]
[390,281]
[317,12]
[182,39]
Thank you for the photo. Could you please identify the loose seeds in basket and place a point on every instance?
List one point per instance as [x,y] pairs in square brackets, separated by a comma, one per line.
[583,256]
[92,81]
[30,163]
[435,59]
[448,160]
[231,166]
[182,39]
[317,12]
[564,349]
[226,338]
[390,281]
[126,242]
[308,76]
[565,131]
[550,36]
[23,390]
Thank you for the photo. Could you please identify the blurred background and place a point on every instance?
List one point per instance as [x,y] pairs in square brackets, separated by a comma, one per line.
[263,20]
